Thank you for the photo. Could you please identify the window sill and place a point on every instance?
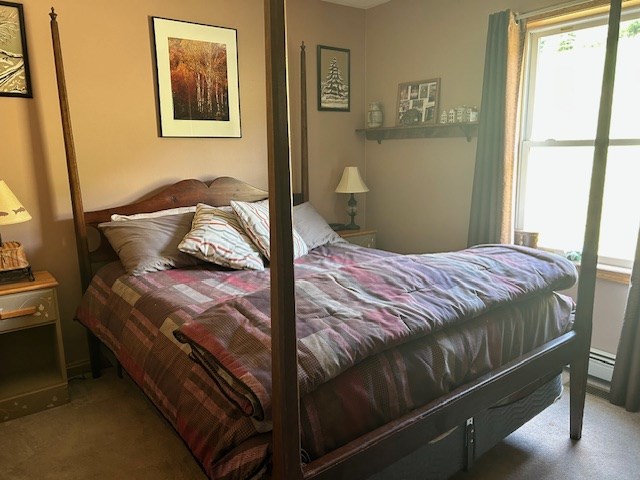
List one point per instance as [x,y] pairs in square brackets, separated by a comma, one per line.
[606,272]
[612,274]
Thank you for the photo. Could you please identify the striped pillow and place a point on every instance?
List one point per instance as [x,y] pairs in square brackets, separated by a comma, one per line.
[255,220]
[217,236]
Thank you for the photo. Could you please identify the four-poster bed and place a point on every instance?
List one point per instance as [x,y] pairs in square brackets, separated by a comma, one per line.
[529,377]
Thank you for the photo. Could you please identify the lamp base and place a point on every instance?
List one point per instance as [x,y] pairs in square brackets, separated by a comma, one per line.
[352,211]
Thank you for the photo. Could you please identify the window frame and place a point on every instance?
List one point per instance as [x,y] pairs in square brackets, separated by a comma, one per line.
[525,144]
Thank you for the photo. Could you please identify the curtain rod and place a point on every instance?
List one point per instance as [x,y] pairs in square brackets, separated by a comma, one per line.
[550,9]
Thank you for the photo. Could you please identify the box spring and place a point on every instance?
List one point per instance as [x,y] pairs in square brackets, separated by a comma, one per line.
[448,454]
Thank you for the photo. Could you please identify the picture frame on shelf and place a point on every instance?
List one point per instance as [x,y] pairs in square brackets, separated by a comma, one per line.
[418,102]
[197,79]
[334,79]
[15,77]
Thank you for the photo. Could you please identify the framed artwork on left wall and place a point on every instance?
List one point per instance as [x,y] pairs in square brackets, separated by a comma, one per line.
[197,79]
[334,79]
[15,80]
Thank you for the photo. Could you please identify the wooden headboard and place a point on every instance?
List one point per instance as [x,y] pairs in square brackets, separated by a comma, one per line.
[181,194]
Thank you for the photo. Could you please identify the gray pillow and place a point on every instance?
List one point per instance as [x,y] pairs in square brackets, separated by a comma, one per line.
[150,244]
[313,229]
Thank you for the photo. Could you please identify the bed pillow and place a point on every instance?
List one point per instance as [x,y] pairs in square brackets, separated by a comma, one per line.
[150,244]
[217,236]
[313,229]
[255,221]
[116,217]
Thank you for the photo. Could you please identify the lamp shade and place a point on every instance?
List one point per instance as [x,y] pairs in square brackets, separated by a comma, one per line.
[11,210]
[351,182]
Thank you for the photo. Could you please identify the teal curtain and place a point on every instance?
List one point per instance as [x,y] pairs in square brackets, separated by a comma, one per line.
[625,385]
[490,215]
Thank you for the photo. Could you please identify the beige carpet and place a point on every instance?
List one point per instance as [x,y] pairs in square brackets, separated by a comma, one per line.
[107,431]
[541,449]
[110,431]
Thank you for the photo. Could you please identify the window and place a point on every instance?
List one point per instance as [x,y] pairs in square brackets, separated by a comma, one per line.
[562,93]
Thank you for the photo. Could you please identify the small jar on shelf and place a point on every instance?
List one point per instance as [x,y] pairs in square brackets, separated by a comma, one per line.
[375,117]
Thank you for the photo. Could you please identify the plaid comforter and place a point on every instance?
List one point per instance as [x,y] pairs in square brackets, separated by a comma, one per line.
[136,317]
[348,314]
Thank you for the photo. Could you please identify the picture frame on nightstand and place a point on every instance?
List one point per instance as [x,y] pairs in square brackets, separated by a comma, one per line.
[364,238]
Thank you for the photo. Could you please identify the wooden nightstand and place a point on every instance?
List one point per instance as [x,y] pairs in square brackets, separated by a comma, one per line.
[33,373]
[364,238]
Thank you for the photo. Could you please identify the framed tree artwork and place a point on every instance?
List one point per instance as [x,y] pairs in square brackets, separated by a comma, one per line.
[334,78]
[418,102]
[15,80]
[197,79]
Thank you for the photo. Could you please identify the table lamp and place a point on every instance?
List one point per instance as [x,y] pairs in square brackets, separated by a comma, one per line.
[351,182]
[13,261]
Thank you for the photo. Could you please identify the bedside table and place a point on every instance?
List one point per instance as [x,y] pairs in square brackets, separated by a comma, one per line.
[364,238]
[33,373]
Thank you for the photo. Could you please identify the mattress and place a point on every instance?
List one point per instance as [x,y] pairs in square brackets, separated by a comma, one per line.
[136,317]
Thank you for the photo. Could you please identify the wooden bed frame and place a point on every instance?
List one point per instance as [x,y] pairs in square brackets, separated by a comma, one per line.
[400,438]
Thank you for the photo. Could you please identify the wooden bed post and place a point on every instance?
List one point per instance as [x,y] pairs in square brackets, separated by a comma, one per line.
[74,186]
[72,165]
[304,141]
[284,352]
[588,267]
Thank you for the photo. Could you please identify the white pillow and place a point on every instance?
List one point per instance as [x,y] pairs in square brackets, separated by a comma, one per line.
[255,220]
[116,217]
[217,236]
[313,229]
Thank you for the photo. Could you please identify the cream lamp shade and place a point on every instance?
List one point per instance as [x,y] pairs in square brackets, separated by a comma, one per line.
[351,182]
[11,210]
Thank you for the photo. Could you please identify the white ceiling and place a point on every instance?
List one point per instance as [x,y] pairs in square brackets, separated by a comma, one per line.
[358,3]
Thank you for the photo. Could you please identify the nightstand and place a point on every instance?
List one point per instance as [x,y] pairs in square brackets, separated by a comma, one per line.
[364,238]
[33,373]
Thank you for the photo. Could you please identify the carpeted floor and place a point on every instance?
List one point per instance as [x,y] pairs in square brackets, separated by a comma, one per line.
[110,431]
[542,449]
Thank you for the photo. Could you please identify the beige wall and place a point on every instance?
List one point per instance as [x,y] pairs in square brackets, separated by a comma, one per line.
[110,80]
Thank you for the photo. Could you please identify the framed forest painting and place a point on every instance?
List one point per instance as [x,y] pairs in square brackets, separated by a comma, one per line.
[197,75]
[14,61]
[334,78]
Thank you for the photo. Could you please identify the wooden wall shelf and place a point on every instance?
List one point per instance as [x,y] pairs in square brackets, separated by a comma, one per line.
[440,130]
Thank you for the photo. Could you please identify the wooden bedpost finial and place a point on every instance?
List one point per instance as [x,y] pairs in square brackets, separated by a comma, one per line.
[302,46]
[53,14]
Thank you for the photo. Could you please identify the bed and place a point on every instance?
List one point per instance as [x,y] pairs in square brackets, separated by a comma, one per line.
[295,404]
[158,323]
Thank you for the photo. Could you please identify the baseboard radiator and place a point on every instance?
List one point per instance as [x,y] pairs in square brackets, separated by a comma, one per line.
[601,364]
